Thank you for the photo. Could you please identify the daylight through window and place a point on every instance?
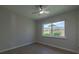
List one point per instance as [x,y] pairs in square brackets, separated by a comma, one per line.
[56,29]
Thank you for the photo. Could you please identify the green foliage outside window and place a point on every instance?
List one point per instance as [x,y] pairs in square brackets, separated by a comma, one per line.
[56,33]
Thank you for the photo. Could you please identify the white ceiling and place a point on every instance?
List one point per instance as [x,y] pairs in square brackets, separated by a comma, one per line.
[27,10]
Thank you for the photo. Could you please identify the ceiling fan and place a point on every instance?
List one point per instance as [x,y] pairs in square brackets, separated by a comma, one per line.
[40,9]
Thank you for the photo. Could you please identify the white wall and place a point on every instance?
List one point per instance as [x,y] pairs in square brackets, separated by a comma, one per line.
[15,30]
[70,42]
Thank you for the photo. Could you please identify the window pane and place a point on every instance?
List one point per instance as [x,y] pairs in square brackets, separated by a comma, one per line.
[46,29]
[58,29]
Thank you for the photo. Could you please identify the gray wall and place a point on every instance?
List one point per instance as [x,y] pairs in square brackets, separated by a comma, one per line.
[78,29]
[15,30]
[70,41]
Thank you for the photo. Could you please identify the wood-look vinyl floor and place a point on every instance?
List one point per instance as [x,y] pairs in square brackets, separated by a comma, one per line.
[37,49]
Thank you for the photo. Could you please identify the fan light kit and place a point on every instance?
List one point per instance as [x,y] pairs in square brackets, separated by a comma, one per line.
[40,10]
[43,11]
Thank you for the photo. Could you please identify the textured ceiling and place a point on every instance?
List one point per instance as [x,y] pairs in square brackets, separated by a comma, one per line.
[27,10]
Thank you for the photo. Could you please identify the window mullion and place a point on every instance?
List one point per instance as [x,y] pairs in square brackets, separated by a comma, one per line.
[51,29]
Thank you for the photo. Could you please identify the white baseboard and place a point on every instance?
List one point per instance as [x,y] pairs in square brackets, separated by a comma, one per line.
[25,44]
[59,47]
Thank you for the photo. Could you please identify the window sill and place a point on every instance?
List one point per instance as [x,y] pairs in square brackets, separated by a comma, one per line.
[54,37]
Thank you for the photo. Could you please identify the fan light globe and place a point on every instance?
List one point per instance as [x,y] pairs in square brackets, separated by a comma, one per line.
[41,12]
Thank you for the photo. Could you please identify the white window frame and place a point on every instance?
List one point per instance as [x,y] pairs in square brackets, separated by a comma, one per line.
[52,31]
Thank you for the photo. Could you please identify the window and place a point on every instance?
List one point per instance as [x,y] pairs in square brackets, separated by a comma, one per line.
[56,29]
